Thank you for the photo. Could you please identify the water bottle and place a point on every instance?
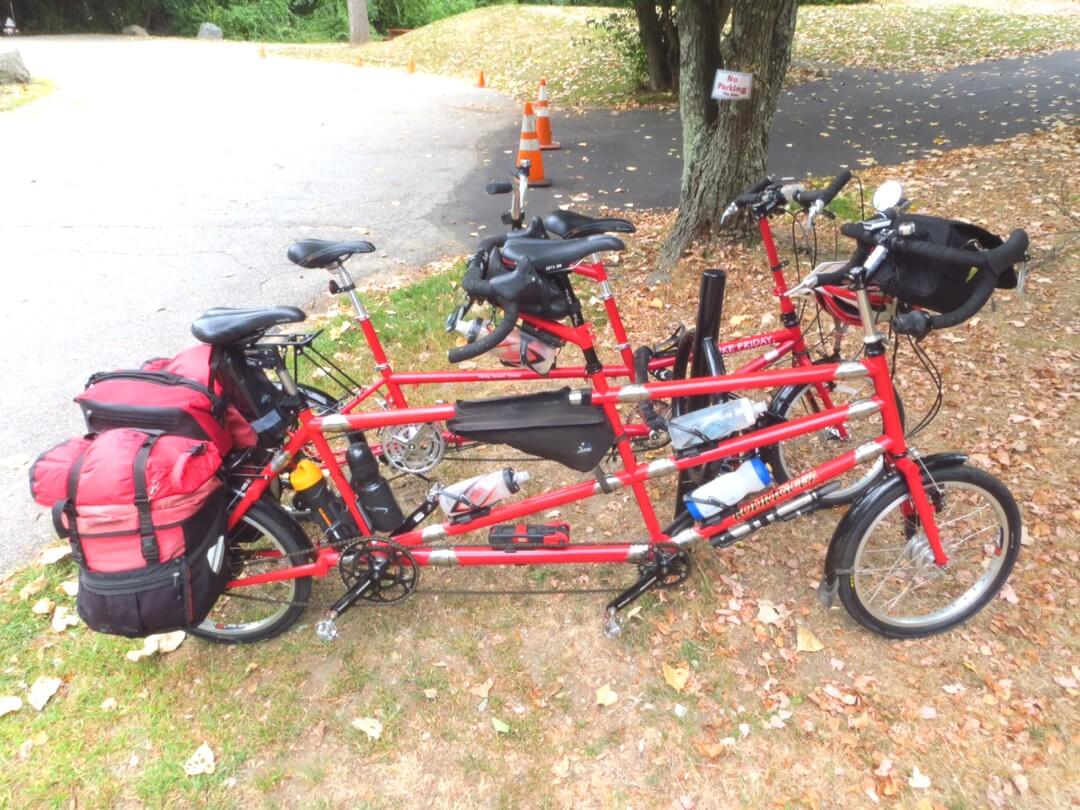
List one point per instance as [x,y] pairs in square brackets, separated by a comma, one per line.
[524,347]
[480,492]
[473,329]
[377,501]
[715,422]
[728,489]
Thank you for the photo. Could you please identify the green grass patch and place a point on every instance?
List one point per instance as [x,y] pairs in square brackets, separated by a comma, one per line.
[13,96]
[898,36]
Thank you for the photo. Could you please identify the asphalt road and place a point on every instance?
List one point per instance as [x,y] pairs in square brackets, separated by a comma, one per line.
[163,177]
[633,159]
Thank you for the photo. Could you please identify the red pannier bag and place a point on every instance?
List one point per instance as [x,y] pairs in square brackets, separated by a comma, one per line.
[173,395]
[145,515]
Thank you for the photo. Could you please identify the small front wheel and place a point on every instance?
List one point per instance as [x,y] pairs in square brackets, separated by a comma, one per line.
[888,580]
[266,540]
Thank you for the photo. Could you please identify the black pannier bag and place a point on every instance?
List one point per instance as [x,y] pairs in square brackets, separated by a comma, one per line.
[545,425]
[940,286]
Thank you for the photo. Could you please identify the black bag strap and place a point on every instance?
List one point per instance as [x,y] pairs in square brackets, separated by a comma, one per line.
[67,509]
[142,500]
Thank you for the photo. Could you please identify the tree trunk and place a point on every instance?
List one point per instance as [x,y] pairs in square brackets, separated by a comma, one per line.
[358,22]
[652,40]
[725,144]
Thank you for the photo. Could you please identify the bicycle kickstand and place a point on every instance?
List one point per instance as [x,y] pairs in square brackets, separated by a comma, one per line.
[668,566]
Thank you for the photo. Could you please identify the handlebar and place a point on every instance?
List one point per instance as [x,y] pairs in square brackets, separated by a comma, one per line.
[490,340]
[824,195]
[499,187]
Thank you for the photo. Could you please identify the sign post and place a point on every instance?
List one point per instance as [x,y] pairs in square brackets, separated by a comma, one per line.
[730,85]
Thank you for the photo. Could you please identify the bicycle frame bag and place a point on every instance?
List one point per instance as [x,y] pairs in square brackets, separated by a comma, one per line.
[173,395]
[145,516]
[939,286]
[545,425]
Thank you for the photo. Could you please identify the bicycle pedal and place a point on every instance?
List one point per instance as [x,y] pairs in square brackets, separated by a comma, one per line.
[327,629]
[510,537]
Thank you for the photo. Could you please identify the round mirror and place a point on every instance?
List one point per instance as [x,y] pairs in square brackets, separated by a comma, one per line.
[888,195]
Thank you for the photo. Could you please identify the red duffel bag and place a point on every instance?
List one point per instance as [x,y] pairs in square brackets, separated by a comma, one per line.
[174,395]
[145,515]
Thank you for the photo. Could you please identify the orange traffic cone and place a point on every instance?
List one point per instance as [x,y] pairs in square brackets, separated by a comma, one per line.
[359,62]
[262,52]
[529,148]
[480,80]
[411,67]
[543,119]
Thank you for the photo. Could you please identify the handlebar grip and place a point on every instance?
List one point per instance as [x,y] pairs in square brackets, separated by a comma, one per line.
[485,344]
[919,324]
[826,194]
[916,324]
[750,196]
[835,277]
[854,230]
[500,187]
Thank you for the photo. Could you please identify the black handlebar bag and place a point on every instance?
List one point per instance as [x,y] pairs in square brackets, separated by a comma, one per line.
[940,286]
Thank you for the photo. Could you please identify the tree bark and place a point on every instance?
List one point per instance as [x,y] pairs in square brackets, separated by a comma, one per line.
[359,33]
[652,40]
[725,144]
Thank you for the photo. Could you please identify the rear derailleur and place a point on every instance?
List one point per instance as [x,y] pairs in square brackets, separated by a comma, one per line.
[378,571]
[667,567]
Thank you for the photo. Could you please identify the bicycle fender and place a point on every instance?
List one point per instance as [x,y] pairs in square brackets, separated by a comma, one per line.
[868,502]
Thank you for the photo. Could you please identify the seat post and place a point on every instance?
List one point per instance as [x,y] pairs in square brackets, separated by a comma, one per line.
[345,284]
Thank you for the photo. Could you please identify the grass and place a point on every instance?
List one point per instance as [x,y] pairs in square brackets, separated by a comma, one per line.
[278,715]
[585,66]
[13,96]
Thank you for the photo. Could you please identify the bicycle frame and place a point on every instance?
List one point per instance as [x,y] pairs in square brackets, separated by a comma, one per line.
[789,339]
[783,501]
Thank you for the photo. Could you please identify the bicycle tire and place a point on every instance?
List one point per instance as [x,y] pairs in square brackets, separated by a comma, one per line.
[272,522]
[946,487]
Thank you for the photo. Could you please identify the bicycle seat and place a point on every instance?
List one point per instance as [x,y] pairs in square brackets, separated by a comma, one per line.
[323,252]
[553,256]
[569,225]
[223,326]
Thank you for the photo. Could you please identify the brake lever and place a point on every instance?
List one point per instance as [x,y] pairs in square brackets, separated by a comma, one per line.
[729,212]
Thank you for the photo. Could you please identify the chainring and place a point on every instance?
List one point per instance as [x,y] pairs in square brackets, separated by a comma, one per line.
[677,561]
[414,448]
[399,575]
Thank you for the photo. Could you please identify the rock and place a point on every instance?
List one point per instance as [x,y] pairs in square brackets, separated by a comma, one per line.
[12,69]
[210,31]
[135,31]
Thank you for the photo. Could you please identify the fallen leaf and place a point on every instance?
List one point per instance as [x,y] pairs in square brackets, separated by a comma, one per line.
[431,694]
[677,676]
[201,762]
[368,725]
[63,618]
[481,689]
[927,712]
[43,607]
[1066,682]
[918,779]
[108,704]
[9,704]
[806,641]
[41,690]
[767,613]
[561,769]
[1020,782]
[54,554]
[70,587]
[32,588]
[710,750]
[157,643]
[500,726]
[605,696]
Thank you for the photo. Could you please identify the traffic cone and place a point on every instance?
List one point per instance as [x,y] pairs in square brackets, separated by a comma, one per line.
[529,148]
[411,67]
[543,119]
[480,80]
[359,62]
[262,52]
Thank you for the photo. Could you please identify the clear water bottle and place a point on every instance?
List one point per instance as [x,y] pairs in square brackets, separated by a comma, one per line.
[728,489]
[480,492]
[709,424]
[529,349]
[473,329]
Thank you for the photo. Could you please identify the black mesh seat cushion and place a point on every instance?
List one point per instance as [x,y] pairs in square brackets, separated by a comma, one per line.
[223,326]
[568,224]
[545,425]
[322,253]
[552,256]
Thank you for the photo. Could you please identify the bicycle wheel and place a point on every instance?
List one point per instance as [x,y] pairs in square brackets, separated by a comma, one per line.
[802,453]
[260,612]
[888,581]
